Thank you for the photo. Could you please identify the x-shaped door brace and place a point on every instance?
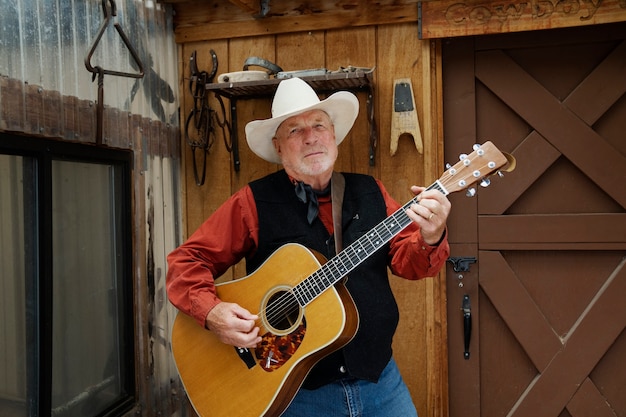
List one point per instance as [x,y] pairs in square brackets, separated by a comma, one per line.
[564,365]
[555,123]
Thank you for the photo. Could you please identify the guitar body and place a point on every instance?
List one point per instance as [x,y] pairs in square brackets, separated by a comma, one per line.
[222,381]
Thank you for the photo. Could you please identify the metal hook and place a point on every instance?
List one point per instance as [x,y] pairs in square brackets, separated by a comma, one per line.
[127,43]
[106,11]
[99,72]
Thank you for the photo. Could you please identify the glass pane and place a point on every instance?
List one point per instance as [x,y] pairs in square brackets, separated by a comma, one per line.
[17,274]
[86,372]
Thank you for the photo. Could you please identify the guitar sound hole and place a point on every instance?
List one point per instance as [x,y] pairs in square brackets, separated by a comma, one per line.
[283,311]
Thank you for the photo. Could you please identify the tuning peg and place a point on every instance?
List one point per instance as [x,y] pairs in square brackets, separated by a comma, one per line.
[478,150]
[448,166]
[463,157]
[485,182]
[471,192]
[500,174]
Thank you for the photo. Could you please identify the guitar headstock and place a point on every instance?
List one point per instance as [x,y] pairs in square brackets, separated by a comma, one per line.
[485,160]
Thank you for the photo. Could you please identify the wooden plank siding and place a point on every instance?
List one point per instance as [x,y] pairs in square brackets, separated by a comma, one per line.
[395,52]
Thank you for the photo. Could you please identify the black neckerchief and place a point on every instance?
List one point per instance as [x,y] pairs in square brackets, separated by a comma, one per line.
[308,195]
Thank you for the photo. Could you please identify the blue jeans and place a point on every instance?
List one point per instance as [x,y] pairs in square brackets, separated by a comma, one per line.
[389,397]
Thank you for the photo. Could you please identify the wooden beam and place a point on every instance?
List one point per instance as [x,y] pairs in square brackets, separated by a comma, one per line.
[446,18]
[248,6]
[218,19]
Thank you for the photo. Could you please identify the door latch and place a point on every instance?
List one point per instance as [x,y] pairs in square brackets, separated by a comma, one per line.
[461,263]
[467,325]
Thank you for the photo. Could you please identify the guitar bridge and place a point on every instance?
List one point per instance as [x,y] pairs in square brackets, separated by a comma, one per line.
[246,356]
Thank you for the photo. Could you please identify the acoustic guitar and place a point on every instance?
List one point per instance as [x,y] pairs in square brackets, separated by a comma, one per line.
[305,313]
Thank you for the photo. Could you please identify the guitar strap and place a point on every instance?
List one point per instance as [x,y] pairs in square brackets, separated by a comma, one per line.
[338,185]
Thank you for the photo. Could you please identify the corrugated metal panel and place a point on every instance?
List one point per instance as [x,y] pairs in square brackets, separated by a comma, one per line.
[44,44]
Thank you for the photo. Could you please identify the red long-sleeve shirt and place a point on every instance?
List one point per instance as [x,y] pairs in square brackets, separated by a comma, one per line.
[231,233]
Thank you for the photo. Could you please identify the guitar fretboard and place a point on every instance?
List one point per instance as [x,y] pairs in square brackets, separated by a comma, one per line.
[352,256]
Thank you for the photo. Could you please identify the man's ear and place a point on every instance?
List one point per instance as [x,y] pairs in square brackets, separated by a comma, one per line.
[276,145]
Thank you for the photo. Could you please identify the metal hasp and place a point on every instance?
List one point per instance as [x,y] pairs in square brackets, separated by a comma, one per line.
[467,325]
[461,263]
[264,8]
[100,72]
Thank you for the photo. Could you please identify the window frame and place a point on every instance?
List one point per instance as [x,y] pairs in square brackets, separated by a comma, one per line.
[39,369]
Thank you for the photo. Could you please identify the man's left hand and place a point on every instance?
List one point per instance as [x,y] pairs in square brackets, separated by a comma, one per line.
[430,213]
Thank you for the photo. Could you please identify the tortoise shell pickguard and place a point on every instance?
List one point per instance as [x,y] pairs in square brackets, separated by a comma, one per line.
[275,350]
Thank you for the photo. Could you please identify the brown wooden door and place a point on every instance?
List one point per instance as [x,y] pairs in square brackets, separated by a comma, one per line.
[548,289]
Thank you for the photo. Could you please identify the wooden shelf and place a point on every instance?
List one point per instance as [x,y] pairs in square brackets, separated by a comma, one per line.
[355,80]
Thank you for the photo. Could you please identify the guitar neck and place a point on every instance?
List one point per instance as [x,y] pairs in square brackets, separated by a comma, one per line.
[356,253]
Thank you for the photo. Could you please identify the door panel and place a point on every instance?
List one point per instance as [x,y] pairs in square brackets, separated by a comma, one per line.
[548,333]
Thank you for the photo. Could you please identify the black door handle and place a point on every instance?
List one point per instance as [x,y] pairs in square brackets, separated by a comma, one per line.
[467,325]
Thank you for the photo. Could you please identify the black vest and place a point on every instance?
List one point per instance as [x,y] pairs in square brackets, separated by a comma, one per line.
[282,219]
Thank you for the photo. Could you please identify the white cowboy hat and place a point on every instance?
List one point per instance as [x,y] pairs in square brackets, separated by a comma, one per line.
[294,96]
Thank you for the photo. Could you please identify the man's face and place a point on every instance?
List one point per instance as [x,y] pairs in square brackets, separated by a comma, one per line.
[306,144]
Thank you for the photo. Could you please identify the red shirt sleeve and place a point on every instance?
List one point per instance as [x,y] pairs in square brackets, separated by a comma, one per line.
[219,243]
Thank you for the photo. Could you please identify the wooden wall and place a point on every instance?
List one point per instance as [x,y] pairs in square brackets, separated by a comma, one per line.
[395,52]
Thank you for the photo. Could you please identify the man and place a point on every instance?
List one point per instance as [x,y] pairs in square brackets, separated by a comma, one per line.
[295,205]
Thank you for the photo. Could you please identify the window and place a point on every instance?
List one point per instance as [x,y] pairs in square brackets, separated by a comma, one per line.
[66,318]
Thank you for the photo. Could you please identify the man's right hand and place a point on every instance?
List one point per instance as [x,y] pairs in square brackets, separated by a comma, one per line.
[233,325]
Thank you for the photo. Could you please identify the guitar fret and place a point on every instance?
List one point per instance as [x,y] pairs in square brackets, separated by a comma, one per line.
[338,265]
[315,286]
[297,292]
[304,299]
[359,251]
[352,253]
[375,238]
[307,287]
[388,231]
[330,265]
[344,259]
[324,278]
